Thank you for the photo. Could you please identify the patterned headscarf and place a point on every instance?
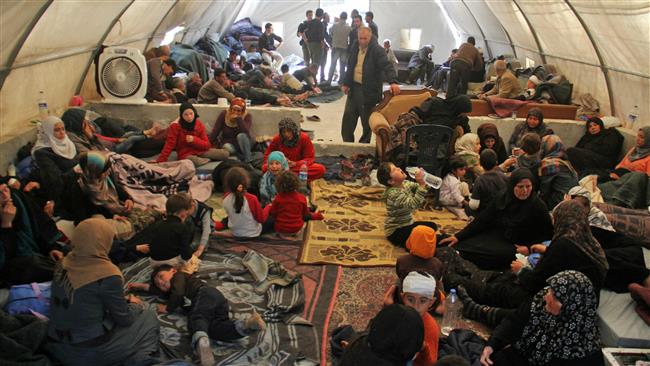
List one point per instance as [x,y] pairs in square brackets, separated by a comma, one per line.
[64,148]
[597,218]
[554,157]
[570,222]
[642,151]
[422,242]
[100,190]
[230,121]
[466,144]
[571,335]
[289,124]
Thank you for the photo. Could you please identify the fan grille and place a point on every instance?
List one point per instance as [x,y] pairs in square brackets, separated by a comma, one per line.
[121,77]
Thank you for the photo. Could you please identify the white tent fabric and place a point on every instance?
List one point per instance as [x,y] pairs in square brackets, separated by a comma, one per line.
[603,46]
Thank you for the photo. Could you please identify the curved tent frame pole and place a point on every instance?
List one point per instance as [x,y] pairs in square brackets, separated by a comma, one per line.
[480,29]
[601,59]
[21,41]
[80,83]
[532,31]
[155,30]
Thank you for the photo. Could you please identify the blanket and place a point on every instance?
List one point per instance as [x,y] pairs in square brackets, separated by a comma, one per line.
[148,184]
[504,107]
[20,338]
[352,233]
[188,60]
[279,297]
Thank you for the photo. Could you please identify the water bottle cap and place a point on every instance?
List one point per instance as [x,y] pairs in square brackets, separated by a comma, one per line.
[453,291]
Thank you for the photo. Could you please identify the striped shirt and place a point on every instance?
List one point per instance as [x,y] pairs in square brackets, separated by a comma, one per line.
[400,204]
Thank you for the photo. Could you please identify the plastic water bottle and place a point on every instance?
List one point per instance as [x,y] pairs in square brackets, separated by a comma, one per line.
[514,116]
[303,175]
[43,112]
[430,179]
[453,309]
[633,116]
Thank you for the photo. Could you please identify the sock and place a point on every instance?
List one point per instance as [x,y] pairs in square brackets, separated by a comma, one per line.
[316,216]
[221,225]
[485,314]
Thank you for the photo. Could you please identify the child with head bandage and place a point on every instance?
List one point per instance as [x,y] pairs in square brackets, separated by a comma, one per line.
[419,292]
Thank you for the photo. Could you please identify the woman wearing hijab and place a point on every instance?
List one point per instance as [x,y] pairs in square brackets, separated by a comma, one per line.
[556,174]
[55,155]
[559,327]
[630,186]
[232,130]
[28,237]
[467,148]
[490,139]
[395,335]
[91,323]
[518,217]
[187,136]
[598,149]
[297,148]
[534,123]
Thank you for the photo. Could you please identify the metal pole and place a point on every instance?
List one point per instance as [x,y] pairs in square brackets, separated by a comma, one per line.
[155,30]
[532,31]
[489,51]
[21,41]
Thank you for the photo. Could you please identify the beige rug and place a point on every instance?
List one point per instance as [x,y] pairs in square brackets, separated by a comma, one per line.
[352,233]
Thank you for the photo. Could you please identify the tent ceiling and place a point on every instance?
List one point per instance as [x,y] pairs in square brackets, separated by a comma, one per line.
[603,46]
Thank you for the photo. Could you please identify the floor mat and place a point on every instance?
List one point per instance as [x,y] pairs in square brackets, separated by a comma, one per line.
[296,314]
[352,232]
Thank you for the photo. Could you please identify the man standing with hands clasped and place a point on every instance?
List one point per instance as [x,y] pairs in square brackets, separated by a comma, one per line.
[367,68]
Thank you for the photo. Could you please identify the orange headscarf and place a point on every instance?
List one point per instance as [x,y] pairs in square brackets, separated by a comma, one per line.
[422,242]
[230,121]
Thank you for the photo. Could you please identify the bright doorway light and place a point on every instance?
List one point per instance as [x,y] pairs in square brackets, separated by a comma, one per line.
[169,36]
[278,27]
[335,7]
[410,38]
[530,62]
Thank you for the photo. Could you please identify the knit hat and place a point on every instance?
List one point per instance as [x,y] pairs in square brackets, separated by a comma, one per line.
[421,284]
[422,242]
[279,157]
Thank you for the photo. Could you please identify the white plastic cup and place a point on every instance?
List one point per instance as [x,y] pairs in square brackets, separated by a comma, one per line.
[222,102]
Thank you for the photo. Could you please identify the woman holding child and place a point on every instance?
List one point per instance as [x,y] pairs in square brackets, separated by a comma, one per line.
[518,217]
[91,323]
[232,130]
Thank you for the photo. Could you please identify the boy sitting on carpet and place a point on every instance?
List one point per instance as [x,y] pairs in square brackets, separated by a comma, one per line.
[208,314]
[402,198]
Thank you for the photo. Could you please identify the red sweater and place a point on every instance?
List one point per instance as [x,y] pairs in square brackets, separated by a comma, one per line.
[303,151]
[176,141]
[289,210]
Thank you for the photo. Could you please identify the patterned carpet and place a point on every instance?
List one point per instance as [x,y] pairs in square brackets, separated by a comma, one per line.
[352,233]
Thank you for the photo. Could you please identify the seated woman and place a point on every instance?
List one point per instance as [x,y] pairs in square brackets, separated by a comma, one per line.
[630,187]
[490,139]
[598,149]
[277,164]
[559,327]
[557,175]
[28,247]
[518,217]
[111,331]
[297,148]
[534,123]
[232,130]
[467,148]
[55,155]
[186,135]
[86,135]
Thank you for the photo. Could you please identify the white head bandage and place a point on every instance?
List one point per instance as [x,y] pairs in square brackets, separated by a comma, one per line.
[420,284]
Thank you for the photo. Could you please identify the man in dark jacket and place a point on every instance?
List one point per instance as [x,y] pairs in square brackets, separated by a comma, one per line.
[367,68]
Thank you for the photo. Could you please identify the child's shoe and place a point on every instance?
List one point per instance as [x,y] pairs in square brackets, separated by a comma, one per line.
[220,225]
[205,351]
[316,215]
[255,322]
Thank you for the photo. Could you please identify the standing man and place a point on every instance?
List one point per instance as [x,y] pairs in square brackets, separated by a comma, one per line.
[370,16]
[301,34]
[354,33]
[467,59]
[367,68]
[340,32]
[268,48]
[315,38]
[327,43]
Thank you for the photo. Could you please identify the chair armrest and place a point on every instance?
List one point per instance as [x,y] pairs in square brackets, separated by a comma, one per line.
[378,121]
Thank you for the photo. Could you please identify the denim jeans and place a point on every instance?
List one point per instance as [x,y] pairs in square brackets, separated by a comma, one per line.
[131,138]
[243,150]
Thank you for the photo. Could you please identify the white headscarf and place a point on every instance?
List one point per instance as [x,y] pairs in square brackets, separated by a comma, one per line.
[597,217]
[417,283]
[45,138]
[466,144]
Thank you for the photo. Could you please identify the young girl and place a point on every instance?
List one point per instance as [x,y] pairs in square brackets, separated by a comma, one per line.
[245,215]
[277,163]
[188,138]
[289,209]
[453,192]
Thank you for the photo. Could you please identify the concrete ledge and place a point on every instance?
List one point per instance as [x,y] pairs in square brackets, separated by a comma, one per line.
[265,119]
[342,148]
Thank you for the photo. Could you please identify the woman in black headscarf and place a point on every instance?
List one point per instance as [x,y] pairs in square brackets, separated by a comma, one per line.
[599,148]
[559,327]
[534,123]
[450,112]
[518,217]
[395,335]
[490,139]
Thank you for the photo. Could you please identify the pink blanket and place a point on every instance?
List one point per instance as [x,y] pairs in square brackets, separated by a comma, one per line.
[504,107]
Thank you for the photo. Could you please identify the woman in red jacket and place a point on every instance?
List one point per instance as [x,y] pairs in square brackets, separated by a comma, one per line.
[297,148]
[188,138]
